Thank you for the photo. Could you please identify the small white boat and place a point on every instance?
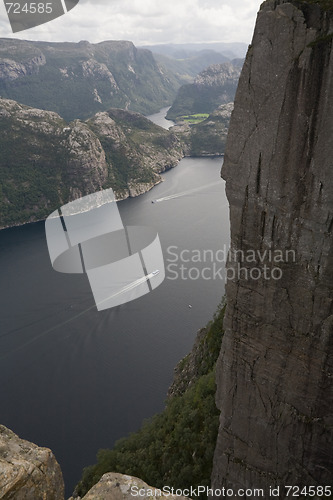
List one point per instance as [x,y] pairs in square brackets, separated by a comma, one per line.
[190,306]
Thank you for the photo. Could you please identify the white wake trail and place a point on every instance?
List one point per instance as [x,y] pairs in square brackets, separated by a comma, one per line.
[129,287]
[186,193]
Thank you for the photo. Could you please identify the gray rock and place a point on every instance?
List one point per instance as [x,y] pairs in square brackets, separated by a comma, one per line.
[218,75]
[115,486]
[93,69]
[27,472]
[12,70]
[275,368]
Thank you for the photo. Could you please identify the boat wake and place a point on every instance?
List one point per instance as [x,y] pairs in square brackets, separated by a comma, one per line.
[186,193]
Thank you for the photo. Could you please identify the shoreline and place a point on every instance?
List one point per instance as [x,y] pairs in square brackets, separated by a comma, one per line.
[19,224]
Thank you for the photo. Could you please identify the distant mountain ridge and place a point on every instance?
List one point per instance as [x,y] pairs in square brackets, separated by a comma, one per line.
[78,80]
[230,50]
[187,68]
[186,61]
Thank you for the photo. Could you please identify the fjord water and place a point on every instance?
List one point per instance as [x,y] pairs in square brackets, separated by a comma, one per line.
[75,379]
[159,118]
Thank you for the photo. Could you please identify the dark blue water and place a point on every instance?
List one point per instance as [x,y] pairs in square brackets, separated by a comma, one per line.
[74,379]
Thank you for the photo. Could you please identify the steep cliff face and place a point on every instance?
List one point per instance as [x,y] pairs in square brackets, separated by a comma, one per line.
[11,70]
[275,367]
[27,472]
[138,150]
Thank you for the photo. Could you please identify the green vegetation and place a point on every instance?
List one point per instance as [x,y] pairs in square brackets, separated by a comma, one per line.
[324,4]
[194,119]
[192,99]
[321,40]
[207,137]
[210,136]
[175,447]
[32,172]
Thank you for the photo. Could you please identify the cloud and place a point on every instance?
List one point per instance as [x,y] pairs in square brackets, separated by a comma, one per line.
[148,22]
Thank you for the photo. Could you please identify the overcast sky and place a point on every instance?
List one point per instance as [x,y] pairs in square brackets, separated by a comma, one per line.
[147,22]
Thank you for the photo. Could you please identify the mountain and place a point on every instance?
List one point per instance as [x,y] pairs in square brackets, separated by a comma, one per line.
[230,50]
[275,364]
[46,162]
[77,80]
[214,86]
[136,150]
[186,65]
[185,61]
[274,374]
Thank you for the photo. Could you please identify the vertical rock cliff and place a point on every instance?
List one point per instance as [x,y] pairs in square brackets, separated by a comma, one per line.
[275,368]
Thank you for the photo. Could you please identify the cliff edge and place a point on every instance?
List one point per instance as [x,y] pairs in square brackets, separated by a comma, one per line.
[27,472]
[275,368]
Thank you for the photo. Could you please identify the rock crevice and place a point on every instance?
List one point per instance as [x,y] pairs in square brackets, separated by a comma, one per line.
[275,367]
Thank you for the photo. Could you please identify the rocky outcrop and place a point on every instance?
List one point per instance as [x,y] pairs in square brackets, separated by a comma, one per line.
[189,368]
[218,75]
[115,486]
[11,70]
[275,368]
[86,160]
[138,149]
[27,472]
[93,69]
